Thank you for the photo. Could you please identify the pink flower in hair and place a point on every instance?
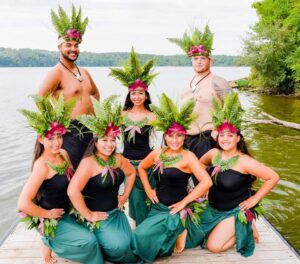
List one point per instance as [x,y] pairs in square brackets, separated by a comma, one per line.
[136,84]
[73,34]
[175,127]
[112,130]
[227,126]
[55,127]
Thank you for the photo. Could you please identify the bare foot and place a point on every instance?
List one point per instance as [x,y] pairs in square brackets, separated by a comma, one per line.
[180,242]
[255,233]
[47,257]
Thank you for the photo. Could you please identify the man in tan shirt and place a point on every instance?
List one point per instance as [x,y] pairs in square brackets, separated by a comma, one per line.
[67,78]
[202,87]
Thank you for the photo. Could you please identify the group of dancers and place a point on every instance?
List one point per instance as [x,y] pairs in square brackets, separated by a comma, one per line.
[72,196]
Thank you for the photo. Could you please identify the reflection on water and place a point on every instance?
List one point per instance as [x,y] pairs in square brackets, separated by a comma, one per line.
[276,146]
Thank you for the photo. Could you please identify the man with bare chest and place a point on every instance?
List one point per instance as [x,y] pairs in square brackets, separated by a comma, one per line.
[202,87]
[74,82]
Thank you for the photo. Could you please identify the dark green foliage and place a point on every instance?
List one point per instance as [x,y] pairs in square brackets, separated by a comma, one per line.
[44,58]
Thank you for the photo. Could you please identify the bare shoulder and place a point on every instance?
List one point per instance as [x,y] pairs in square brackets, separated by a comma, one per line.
[151,116]
[246,160]
[124,113]
[40,168]
[189,155]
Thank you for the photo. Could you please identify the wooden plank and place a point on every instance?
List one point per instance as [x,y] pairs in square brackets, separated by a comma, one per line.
[22,246]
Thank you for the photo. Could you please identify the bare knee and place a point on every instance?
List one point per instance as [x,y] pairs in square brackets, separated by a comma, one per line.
[214,247]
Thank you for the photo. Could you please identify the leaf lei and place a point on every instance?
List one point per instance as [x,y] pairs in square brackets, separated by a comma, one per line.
[60,169]
[133,127]
[46,227]
[253,213]
[222,165]
[108,166]
[165,161]
[194,211]
[81,220]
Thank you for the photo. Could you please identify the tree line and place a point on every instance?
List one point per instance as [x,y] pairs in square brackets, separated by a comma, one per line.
[43,58]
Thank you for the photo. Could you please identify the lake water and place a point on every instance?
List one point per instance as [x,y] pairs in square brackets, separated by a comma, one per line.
[277,147]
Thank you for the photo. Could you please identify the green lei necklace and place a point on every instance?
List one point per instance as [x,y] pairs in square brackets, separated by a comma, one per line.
[108,167]
[165,161]
[133,127]
[60,169]
[222,165]
[140,123]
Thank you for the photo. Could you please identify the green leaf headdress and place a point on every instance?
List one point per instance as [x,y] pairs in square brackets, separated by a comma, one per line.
[53,115]
[195,42]
[228,116]
[69,28]
[133,74]
[107,119]
[169,118]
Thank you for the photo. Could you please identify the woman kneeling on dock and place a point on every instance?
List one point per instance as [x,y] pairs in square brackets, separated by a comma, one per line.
[175,212]
[44,202]
[232,204]
[95,185]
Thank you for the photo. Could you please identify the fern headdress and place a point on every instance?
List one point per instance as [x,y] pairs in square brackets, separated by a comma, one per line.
[134,75]
[195,42]
[69,28]
[53,115]
[228,116]
[107,119]
[170,119]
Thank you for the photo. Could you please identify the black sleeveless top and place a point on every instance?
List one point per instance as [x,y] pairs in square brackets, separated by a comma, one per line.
[103,196]
[171,185]
[140,148]
[231,189]
[54,193]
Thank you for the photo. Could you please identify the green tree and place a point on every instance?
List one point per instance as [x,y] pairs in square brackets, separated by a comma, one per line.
[271,49]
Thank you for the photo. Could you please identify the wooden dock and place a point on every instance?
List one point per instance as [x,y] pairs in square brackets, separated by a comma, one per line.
[22,246]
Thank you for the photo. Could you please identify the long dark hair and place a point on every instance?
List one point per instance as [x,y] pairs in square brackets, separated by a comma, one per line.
[91,148]
[129,104]
[37,152]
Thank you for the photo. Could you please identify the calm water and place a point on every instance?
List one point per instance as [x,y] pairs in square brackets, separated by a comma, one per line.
[276,146]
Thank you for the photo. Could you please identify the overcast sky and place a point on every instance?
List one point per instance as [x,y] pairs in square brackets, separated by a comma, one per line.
[116,25]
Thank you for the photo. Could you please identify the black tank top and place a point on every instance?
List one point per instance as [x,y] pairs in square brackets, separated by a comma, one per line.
[171,185]
[103,196]
[140,148]
[54,193]
[231,189]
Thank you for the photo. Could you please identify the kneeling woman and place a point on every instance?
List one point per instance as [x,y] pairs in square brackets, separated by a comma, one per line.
[232,204]
[156,235]
[47,186]
[95,185]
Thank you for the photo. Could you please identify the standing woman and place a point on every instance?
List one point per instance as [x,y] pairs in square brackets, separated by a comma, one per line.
[137,116]
[95,185]
[232,204]
[44,202]
[174,213]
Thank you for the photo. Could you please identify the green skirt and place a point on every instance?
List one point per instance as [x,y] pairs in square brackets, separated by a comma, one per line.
[243,232]
[138,209]
[74,242]
[156,236]
[114,237]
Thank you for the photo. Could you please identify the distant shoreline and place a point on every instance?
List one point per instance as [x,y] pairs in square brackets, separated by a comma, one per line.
[43,58]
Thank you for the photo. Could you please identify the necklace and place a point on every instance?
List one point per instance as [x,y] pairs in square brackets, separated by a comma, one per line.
[222,165]
[63,169]
[78,75]
[108,167]
[194,87]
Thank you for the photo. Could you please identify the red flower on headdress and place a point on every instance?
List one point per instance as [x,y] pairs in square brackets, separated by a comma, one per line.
[227,126]
[73,34]
[112,130]
[175,127]
[55,127]
[138,83]
[197,50]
